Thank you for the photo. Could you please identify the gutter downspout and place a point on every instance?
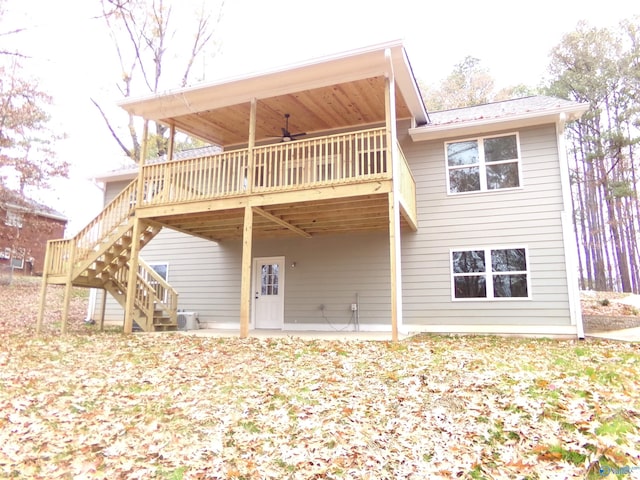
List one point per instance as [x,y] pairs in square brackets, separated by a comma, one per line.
[570,249]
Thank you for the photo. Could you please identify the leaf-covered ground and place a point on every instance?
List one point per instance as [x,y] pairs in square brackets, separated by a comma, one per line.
[107,405]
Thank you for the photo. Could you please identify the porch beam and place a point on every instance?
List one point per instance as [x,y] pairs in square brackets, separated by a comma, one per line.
[245,287]
[281,222]
[270,198]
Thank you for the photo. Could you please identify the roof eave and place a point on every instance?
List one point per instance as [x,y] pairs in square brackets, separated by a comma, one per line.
[473,127]
[35,211]
[343,67]
[117,175]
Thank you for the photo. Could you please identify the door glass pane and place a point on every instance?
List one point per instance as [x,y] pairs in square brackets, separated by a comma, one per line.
[269,279]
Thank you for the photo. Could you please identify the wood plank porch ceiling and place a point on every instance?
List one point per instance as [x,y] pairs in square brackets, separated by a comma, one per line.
[332,216]
[334,107]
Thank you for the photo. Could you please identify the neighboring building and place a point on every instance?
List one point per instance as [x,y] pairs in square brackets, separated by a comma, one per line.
[25,227]
[379,217]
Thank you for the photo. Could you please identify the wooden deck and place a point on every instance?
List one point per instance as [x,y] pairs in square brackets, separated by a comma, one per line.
[332,184]
[349,182]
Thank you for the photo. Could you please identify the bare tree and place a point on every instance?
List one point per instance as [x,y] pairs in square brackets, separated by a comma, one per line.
[152,45]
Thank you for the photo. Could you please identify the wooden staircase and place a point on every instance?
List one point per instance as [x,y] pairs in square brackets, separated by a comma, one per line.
[99,257]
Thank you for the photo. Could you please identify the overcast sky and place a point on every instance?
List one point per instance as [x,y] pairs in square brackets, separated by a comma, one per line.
[71,53]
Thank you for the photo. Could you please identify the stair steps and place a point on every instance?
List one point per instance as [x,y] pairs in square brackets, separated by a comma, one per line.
[101,254]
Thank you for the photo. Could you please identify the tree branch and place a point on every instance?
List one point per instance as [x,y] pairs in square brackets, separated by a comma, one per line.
[124,148]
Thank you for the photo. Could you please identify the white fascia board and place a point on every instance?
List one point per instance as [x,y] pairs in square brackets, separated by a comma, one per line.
[409,87]
[116,176]
[474,127]
[340,68]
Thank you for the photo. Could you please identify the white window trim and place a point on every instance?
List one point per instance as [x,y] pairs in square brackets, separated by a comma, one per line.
[488,274]
[482,166]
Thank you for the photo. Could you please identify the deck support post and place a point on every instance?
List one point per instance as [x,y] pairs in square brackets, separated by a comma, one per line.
[245,288]
[67,289]
[395,259]
[251,164]
[395,249]
[141,162]
[103,308]
[172,139]
[43,289]
[133,277]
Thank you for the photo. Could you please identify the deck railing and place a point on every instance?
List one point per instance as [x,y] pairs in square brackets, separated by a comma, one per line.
[90,237]
[327,160]
[58,257]
[407,186]
[214,176]
[165,295]
[340,158]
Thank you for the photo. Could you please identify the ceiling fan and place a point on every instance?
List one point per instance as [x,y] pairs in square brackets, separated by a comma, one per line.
[287,136]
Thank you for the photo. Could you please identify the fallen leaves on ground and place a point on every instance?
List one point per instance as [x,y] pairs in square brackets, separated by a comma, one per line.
[608,304]
[108,405]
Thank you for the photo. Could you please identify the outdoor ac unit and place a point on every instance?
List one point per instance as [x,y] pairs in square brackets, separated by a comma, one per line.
[188,321]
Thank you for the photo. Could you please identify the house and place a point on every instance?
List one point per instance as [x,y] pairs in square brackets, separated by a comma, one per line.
[339,202]
[25,227]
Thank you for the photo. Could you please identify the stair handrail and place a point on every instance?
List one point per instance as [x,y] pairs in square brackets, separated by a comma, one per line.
[143,297]
[170,305]
[111,216]
[58,259]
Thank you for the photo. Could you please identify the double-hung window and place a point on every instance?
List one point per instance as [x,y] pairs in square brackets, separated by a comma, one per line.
[14,219]
[492,273]
[483,164]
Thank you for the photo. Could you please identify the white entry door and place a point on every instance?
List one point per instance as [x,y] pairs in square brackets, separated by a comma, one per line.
[268,292]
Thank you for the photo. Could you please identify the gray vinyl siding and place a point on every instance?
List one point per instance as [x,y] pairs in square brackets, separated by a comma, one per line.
[331,270]
[528,217]
[205,273]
